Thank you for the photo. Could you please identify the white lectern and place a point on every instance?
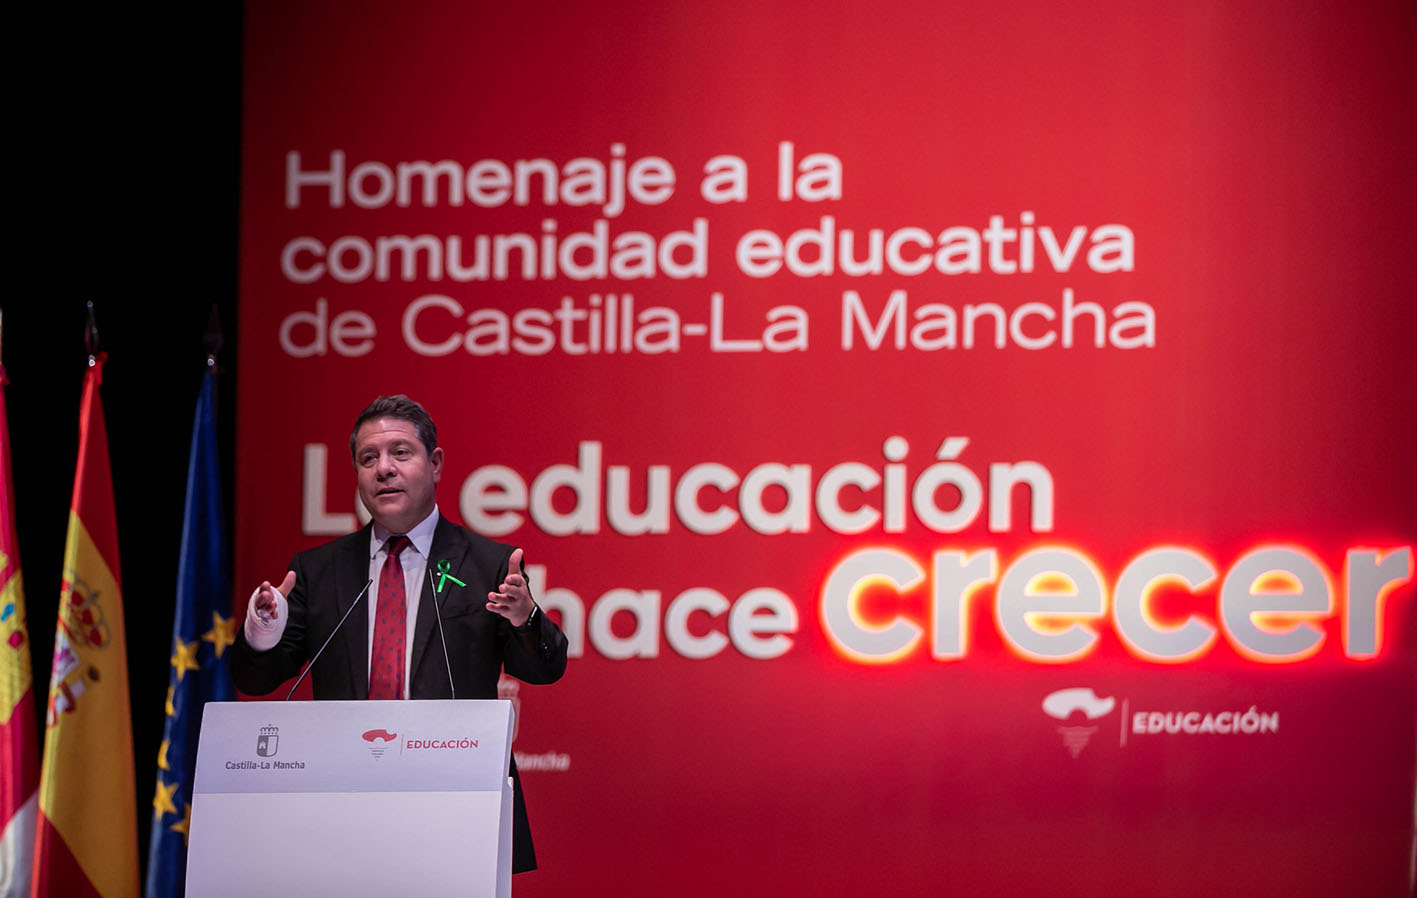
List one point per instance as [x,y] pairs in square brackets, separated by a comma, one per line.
[352,798]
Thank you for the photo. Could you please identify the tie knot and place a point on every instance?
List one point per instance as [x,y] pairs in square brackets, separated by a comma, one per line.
[396,545]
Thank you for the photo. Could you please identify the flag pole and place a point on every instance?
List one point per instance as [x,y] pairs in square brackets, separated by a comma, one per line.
[91,335]
[212,339]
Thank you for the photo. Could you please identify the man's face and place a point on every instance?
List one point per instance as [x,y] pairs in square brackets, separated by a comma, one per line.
[397,476]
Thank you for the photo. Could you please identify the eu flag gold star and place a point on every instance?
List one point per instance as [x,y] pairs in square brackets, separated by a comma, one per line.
[222,633]
[184,658]
[162,755]
[183,825]
[171,693]
[162,799]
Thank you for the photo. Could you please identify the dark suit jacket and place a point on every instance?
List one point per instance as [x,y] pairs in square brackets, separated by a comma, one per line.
[480,643]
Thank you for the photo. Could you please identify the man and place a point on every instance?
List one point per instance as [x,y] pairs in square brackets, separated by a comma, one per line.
[489,617]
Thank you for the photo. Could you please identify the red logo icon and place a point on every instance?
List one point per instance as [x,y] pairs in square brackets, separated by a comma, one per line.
[379,741]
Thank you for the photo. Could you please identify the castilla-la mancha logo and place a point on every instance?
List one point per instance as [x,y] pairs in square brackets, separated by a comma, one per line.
[1077,707]
[379,741]
[268,741]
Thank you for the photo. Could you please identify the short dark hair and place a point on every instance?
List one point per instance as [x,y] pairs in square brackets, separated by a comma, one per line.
[404,409]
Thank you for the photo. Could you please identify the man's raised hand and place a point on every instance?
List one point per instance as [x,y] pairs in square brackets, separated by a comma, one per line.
[512,599]
[266,602]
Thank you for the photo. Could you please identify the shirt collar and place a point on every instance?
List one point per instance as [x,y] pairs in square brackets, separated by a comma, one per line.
[421,535]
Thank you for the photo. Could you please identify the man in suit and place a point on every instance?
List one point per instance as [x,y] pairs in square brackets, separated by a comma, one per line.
[393,651]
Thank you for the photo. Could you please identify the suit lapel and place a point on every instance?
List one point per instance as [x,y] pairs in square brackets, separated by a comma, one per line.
[350,576]
[448,545]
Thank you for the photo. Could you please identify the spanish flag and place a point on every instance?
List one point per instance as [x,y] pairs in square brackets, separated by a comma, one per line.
[19,748]
[87,841]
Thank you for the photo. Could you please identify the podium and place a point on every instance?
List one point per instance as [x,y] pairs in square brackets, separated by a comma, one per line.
[352,798]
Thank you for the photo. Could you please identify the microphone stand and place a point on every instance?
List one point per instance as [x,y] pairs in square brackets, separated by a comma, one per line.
[311,665]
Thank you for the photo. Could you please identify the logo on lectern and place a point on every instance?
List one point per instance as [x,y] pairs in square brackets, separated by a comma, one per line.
[266,742]
[379,741]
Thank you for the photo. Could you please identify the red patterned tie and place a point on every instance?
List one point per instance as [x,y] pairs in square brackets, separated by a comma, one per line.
[390,626]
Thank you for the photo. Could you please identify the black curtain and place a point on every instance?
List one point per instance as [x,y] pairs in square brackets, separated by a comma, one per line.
[129,199]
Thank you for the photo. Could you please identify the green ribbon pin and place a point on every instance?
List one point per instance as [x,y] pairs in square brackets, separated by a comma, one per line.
[444,575]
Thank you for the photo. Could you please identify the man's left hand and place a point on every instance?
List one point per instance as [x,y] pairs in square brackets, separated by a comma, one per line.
[513,597]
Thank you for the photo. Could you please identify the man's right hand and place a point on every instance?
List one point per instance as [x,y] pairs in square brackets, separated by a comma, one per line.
[266,613]
[266,602]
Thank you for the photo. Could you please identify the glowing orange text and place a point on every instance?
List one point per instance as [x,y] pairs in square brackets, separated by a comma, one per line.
[1048,601]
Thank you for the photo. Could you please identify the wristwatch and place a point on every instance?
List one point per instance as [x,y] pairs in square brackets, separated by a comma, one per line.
[530,620]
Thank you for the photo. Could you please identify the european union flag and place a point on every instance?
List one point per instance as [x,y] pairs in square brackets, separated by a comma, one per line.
[201,634]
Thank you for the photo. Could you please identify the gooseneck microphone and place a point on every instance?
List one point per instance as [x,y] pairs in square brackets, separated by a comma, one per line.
[311,666]
[452,691]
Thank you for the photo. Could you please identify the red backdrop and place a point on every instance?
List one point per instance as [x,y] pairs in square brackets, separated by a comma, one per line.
[1218,190]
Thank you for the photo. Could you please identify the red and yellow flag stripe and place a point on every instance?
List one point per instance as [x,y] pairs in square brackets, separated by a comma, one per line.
[19,748]
[87,843]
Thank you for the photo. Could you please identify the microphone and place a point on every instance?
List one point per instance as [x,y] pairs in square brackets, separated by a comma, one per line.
[439,612]
[311,666]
